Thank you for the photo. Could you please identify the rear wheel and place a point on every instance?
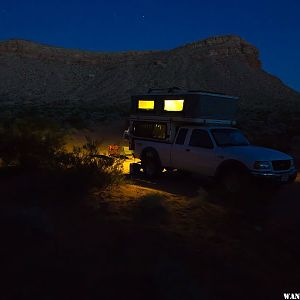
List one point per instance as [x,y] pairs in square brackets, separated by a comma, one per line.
[151,164]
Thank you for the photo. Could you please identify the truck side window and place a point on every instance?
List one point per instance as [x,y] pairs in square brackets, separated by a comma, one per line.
[150,130]
[200,138]
[181,136]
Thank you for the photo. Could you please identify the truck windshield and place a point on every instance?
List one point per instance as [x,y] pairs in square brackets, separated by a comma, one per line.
[229,137]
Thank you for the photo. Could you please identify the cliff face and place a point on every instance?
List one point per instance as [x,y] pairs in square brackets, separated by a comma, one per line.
[47,77]
[224,46]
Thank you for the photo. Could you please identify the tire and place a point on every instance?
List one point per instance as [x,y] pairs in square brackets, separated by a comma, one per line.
[151,164]
[134,169]
[234,182]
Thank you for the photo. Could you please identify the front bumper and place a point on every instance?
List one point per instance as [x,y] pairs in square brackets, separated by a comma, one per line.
[279,178]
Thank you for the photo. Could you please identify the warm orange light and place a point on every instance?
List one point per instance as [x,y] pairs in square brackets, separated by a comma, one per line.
[146,104]
[173,105]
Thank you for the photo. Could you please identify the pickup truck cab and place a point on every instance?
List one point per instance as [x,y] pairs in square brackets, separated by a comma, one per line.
[194,131]
[223,153]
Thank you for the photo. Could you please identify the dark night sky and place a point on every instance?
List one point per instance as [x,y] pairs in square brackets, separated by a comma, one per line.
[272,26]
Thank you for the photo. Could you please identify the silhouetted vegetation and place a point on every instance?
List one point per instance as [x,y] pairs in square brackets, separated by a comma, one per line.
[30,143]
[36,149]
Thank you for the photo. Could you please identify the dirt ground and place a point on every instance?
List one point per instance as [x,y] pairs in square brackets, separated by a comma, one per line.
[226,251]
[173,238]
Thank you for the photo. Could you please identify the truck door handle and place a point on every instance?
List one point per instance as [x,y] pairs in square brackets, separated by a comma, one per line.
[187,150]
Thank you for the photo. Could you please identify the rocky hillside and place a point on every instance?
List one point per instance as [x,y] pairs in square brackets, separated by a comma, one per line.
[66,83]
[33,73]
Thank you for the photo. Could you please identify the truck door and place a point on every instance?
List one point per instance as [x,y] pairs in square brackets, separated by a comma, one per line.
[200,153]
[179,159]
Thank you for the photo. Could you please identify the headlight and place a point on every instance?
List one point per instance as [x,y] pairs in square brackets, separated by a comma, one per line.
[262,165]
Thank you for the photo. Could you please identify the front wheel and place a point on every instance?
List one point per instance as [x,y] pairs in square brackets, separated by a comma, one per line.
[235,182]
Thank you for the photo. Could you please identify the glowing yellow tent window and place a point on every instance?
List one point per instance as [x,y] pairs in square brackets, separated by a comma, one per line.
[146,104]
[173,105]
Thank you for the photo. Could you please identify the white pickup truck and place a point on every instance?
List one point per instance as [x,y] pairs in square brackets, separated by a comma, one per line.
[220,152]
[192,130]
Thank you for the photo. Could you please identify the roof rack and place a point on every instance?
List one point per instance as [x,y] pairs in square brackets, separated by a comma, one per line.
[184,120]
[208,92]
[168,90]
[171,90]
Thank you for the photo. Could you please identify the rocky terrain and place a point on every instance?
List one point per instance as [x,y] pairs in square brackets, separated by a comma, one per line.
[79,85]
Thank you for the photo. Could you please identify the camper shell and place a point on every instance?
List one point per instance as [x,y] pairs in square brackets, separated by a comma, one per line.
[158,114]
[194,106]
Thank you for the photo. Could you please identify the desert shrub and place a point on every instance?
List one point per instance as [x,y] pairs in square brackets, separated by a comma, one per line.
[29,143]
[35,146]
[86,168]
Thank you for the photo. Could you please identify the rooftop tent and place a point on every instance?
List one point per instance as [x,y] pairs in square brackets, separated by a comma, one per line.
[185,104]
